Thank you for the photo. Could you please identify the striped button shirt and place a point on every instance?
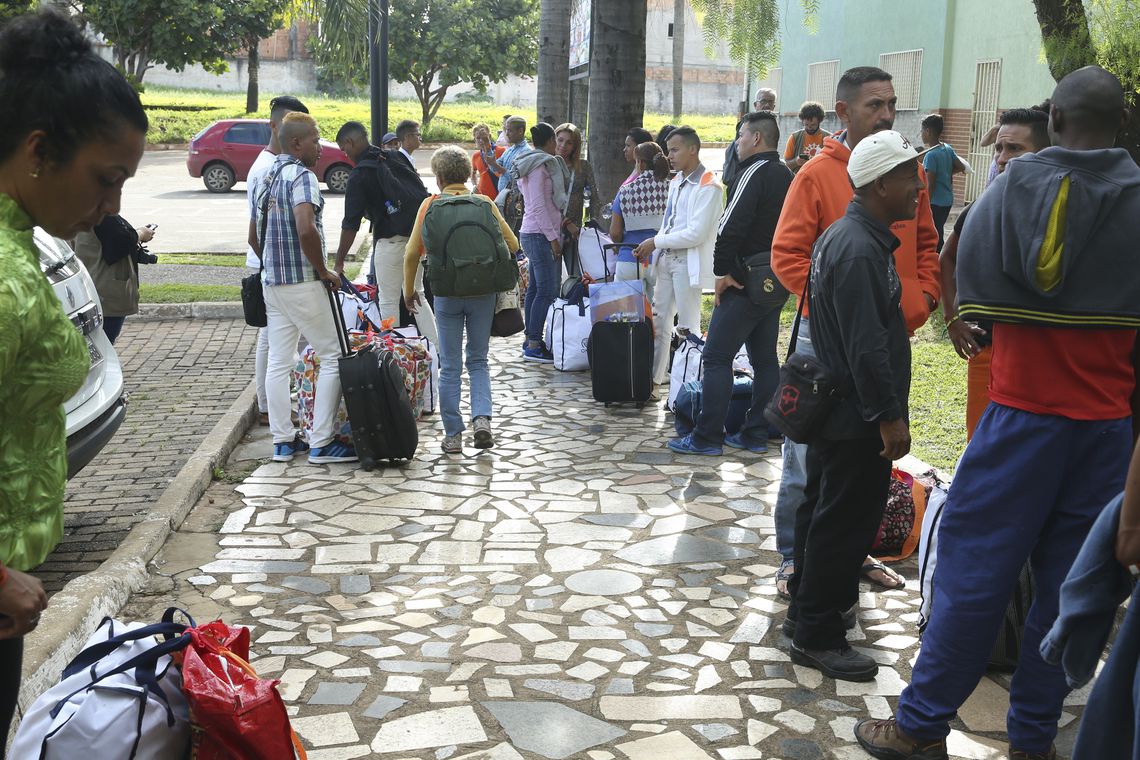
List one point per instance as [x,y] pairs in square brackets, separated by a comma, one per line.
[287,185]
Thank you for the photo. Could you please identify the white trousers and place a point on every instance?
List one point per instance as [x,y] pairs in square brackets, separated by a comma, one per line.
[672,294]
[292,310]
[388,262]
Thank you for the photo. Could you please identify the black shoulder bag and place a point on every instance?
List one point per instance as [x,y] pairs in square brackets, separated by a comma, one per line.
[252,291]
[807,393]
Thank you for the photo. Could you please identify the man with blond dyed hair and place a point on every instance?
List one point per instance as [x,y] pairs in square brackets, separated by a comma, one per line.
[288,237]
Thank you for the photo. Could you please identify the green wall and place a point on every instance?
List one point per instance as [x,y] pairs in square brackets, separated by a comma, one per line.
[1002,29]
[953,34]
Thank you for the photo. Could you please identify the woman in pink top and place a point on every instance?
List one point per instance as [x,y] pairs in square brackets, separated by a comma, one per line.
[543,180]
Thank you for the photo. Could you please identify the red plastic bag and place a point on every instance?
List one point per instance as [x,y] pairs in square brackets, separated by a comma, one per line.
[233,712]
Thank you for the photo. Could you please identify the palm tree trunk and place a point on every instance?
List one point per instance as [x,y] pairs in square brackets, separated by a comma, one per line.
[678,57]
[554,62]
[251,90]
[617,88]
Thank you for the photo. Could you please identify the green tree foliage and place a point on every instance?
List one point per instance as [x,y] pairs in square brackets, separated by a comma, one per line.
[247,23]
[750,28]
[9,9]
[175,33]
[434,44]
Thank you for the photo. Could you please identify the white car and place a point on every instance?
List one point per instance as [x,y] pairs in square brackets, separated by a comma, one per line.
[97,410]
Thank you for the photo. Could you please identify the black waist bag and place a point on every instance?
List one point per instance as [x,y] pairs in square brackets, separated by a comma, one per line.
[760,283]
[253,300]
[806,394]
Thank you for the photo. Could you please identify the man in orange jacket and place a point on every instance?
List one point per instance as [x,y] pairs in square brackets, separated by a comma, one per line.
[865,103]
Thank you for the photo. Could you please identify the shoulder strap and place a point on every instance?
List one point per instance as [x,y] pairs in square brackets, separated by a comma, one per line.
[265,210]
[799,315]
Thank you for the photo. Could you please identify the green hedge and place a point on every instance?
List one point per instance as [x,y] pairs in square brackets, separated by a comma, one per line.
[176,116]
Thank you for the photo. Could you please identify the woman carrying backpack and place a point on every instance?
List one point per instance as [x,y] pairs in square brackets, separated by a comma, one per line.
[453,314]
[73,132]
[638,210]
[543,180]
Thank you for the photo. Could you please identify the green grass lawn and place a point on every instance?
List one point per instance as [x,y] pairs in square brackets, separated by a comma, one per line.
[170,122]
[203,259]
[176,293]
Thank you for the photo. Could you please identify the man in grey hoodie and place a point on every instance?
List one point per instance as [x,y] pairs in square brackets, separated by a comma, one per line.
[1051,245]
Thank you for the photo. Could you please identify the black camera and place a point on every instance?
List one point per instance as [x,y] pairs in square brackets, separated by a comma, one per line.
[143,256]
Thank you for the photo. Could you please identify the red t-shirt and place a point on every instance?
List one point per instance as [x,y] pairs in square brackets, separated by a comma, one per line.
[1079,374]
[487,183]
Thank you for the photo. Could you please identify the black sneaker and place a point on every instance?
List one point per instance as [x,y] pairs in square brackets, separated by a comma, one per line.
[840,664]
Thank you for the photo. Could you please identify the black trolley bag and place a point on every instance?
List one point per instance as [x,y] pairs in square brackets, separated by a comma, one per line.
[621,361]
[383,426]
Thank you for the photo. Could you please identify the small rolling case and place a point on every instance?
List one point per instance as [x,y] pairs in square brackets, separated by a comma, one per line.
[621,362]
[383,425]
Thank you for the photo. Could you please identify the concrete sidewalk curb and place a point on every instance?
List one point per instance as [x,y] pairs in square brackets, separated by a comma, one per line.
[75,612]
[149,312]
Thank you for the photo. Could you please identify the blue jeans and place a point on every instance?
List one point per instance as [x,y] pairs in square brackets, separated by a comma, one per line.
[734,322]
[1029,487]
[451,316]
[794,473]
[544,282]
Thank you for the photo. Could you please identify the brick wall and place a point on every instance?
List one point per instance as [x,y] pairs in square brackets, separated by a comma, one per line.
[286,44]
[698,74]
[957,133]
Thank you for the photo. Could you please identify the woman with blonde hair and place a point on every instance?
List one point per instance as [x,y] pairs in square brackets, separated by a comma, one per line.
[638,211]
[454,314]
[568,146]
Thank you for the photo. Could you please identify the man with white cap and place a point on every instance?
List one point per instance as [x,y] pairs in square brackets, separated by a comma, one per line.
[860,335]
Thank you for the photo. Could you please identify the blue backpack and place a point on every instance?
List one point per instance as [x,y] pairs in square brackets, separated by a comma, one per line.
[688,406]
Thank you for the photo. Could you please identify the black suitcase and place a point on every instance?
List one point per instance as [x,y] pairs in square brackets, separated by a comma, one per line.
[621,362]
[383,426]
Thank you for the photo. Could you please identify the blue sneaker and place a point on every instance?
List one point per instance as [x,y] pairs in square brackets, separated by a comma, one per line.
[687,445]
[284,452]
[736,442]
[332,453]
[540,355]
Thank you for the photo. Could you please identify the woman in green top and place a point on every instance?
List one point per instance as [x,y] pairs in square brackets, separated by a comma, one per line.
[73,131]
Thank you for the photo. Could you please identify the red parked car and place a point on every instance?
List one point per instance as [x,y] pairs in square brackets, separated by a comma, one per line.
[222,154]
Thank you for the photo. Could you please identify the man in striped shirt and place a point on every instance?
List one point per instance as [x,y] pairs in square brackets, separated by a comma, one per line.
[289,237]
[744,317]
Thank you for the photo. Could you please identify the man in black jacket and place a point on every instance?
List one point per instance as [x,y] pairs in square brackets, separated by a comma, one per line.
[743,315]
[860,335]
[385,188]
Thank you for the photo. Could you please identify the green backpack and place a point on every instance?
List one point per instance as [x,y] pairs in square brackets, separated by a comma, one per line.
[466,252]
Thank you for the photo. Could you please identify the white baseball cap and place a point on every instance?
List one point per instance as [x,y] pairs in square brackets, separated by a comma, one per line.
[877,154]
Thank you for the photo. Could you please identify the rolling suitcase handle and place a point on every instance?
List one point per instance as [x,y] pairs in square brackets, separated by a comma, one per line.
[617,247]
[338,321]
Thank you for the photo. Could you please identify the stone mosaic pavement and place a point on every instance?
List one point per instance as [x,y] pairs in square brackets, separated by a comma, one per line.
[578,592]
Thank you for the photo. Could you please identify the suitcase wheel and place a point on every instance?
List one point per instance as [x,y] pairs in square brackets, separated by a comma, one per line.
[367,464]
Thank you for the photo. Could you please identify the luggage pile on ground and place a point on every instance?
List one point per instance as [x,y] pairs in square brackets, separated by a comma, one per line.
[160,691]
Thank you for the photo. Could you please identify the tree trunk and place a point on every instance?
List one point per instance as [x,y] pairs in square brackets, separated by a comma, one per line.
[617,88]
[1065,34]
[679,7]
[251,90]
[554,62]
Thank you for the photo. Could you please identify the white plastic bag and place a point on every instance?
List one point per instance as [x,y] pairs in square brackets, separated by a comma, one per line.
[567,333]
[688,366]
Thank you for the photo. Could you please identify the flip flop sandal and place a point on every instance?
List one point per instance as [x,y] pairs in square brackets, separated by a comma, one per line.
[876,566]
[783,575]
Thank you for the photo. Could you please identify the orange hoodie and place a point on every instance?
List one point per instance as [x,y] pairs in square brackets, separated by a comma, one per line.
[818,197]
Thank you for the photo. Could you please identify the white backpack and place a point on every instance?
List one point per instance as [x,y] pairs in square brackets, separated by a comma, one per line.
[689,366]
[567,333]
[120,699]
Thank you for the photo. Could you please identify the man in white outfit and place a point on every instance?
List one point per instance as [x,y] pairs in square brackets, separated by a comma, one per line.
[289,237]
[685,244]
[279,108]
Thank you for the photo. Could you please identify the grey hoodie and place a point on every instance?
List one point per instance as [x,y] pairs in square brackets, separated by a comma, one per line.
[1003,239]
[527,162]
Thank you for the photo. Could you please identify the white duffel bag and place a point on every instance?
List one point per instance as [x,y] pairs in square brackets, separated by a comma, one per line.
[567,333]
[119,699]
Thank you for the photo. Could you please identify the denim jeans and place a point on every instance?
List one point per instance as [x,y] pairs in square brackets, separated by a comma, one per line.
[734,322]
[544,282]
[452,315]
[1029,487]
[794,473]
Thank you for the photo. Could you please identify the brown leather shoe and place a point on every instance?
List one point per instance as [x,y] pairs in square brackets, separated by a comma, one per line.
[884,740]
[1020,754]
